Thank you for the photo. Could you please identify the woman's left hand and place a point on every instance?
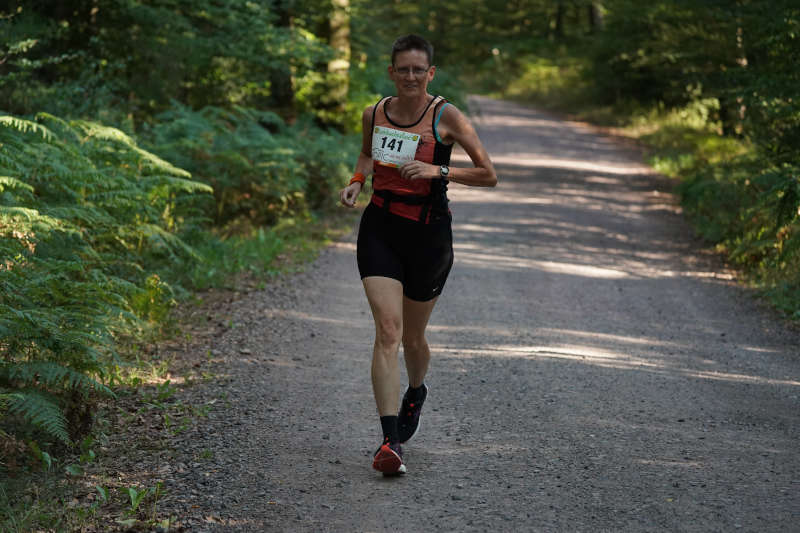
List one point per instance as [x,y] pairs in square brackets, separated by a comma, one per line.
[417,170]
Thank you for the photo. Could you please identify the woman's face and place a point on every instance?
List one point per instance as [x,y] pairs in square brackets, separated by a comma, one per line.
[411,72]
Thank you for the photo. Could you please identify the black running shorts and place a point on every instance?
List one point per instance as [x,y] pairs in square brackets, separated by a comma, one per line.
[417,255]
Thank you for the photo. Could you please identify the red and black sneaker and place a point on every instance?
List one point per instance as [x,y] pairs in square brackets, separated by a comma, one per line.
[409,415]
[389,460]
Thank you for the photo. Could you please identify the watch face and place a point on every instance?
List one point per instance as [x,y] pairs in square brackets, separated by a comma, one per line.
[444,170]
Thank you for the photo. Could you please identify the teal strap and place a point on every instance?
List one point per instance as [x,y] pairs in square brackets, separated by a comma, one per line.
[436,123]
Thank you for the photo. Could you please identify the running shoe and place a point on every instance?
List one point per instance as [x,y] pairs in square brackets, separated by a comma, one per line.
[389,460]
[409,415]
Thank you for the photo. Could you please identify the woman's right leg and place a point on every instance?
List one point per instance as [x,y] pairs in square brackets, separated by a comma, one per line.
[385,296]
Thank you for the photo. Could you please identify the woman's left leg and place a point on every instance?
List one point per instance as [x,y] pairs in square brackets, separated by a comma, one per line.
[417,356]
[416,353]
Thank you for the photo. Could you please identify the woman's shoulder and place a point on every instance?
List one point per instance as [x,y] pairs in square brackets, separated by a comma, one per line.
[448,110]
[372,107]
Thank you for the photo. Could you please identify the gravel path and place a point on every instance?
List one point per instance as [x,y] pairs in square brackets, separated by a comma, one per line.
[593,370]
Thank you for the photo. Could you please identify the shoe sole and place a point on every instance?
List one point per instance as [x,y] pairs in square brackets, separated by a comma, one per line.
[388,462]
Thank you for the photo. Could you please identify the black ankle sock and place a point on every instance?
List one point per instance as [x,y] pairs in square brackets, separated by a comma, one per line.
[416,394]
[389,426]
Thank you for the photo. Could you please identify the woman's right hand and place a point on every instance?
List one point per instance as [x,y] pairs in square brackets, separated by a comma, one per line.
[349,194]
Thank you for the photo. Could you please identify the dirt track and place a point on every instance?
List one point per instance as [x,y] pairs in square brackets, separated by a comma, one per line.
[592,371]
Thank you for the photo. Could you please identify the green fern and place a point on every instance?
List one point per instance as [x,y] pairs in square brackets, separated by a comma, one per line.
[41,410]
[50,375]
[260,168]
[86,216]
[11,214]
[25,126]
[7,182]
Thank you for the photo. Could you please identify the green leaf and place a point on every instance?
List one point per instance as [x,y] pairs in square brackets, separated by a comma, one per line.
[74,470]
[103,493]
[136,497]
[47,460]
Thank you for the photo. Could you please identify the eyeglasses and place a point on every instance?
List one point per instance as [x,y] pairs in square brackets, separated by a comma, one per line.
[418,72]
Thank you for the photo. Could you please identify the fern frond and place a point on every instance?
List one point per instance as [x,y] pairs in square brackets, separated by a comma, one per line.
[41,410]
[13,183]
[62,126]
[170,240]
[179,184]
[50,374]
[6,396]
[93,217]
[99,131]
[31,215]
[160,164]
[25,126]
[107,133]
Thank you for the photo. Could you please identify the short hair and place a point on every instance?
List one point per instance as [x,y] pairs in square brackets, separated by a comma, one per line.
[412,42]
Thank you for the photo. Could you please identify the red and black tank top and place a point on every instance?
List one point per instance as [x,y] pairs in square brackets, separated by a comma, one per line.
[392,143]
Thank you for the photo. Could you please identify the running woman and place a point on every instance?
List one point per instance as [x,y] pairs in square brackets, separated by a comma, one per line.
[405,247]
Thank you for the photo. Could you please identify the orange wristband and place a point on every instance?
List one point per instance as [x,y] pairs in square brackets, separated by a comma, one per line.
[358,177]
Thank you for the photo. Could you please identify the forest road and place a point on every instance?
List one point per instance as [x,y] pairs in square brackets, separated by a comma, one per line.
[592,370]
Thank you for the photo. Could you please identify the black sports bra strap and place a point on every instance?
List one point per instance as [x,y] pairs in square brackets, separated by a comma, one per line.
[375,109]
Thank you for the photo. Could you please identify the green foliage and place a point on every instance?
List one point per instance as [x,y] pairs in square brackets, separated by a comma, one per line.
[84,212]
[206,53]
[136,497]
[749,210]
[551,77]
[754,215]
[260,169]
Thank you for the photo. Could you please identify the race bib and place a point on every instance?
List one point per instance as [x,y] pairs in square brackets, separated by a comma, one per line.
[393,147]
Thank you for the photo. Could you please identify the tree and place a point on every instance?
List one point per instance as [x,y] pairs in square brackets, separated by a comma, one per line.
[339,66]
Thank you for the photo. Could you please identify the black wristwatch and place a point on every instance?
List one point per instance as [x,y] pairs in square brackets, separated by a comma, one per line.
[444,171]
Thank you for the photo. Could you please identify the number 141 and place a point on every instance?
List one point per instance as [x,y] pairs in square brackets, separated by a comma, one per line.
[394,144]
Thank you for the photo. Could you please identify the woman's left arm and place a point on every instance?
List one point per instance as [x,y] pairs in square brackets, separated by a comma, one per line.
[455,127]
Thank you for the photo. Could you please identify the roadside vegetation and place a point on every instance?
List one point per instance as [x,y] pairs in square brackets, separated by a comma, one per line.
[152,153]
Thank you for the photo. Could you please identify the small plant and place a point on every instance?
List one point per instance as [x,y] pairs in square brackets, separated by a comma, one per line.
[87,454]
[136,497]
[156,492]
[74,470]
[43,457]
[163,392]
[47,460]
[103,492]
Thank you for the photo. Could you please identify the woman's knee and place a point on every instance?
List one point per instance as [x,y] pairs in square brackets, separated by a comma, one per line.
[414,343]
[388,332]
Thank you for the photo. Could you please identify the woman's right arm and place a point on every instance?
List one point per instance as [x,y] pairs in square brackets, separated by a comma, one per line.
[349,194]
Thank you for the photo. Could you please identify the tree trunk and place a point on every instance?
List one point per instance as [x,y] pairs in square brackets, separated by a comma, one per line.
[339,67]
[560,12]
[281,86]
[595,17]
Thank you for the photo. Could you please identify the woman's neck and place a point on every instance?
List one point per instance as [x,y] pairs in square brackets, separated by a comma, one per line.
[407,109]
